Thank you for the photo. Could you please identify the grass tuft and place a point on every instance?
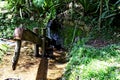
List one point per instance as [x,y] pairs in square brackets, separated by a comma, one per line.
[90,63]
[3,49]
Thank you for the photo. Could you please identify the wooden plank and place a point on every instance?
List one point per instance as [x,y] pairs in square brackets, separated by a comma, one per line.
[21,33]
[31,36]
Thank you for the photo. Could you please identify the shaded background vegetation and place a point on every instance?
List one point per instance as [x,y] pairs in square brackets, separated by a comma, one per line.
[81,14]
[80,18]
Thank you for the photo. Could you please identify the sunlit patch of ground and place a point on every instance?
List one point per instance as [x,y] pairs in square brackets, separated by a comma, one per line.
[28,65]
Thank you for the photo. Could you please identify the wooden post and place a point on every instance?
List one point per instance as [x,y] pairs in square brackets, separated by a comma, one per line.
[43,42]
[36,46]
[16,54]
[43,66]
[42,69]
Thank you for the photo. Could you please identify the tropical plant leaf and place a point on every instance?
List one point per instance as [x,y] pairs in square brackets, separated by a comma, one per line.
[39,3]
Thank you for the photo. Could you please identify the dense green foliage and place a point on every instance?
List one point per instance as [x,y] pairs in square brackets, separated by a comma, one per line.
[41,11]
[87,62]
[31,13]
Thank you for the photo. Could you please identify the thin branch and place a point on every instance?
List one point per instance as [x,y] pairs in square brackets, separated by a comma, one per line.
[101,9]
[112,15]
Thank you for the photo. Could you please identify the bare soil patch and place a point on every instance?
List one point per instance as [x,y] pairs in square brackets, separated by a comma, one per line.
[28,65]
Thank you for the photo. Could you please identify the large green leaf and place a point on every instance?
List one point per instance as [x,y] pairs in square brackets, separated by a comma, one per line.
[39,3]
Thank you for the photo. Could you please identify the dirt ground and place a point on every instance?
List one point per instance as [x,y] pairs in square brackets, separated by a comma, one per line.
[28,65]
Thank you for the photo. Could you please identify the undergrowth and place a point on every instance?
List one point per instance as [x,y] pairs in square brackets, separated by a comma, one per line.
[3,50]
[90,63]
[7,26]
